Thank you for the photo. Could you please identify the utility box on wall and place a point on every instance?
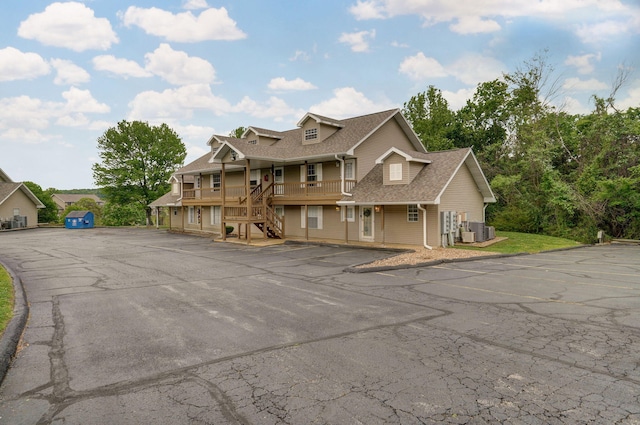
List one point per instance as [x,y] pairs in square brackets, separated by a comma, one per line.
[79,220]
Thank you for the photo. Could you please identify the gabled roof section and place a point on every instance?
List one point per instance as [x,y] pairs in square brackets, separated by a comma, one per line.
[411,156]
[4,177]
[272,134]
[198,166]
[289,148]
[167,200]
[8,189]
[320,120]
[427,187]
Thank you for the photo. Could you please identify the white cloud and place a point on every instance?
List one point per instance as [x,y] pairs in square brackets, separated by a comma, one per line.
[178,103]
[17,65]
[471,68]
[282,84]
[367,10]
[71,25]
[195,4]
[572,106]
[123,67]
[633,98]
[25,116]
[275,108]
[300,55]
[69,73]
[211,24]
[458,98]
[584,62]
[592,19]
[348,102]
[474,68]
[27,136]
[576,84]
[474,25]
[420,67]
[177,67]
[359,41]
[83,101]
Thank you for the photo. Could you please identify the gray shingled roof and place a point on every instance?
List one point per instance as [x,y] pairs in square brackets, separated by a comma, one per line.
[425,188]
[289,147]
[166,200]
[7,189]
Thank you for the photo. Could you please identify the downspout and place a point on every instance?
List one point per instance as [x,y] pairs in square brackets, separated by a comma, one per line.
[484,212]
[424,227]
[342,192]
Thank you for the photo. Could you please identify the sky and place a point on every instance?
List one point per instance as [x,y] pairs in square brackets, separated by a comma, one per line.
[70,70]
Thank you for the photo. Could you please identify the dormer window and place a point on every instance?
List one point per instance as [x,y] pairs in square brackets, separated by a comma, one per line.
[311,134]
[395,172]
[253,142]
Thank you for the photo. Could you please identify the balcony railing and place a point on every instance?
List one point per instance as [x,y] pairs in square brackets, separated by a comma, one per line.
[315,188]
[295,189]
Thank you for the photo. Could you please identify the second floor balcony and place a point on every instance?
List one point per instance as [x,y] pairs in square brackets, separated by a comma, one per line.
[293,190]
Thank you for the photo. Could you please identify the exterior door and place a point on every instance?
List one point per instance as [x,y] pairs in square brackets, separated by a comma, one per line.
[278,180]
[366,223]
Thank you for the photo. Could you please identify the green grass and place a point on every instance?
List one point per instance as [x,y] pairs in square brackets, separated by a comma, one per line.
[6,299]
[524,242]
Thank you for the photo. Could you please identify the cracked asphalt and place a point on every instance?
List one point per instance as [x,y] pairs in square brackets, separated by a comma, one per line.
[136,326]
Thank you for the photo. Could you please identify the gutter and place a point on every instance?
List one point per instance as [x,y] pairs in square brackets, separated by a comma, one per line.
[424,227]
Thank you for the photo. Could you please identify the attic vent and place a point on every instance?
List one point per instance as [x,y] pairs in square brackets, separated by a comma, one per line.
[311,134]
[253,142]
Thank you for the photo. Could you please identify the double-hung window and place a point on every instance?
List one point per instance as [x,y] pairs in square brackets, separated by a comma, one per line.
[215,181]
[311,134]
[395,172]
[312,217]
[412,213]
[348,213]
[215,215]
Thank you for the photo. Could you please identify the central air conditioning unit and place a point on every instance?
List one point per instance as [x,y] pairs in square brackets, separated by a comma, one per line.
[468,237]
[477,227]
[489,233]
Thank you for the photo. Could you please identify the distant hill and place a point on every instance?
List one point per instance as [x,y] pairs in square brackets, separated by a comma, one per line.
[81,191]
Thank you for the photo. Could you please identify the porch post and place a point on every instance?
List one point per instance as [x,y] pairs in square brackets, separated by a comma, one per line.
[382,221]
[306,222]
[247,183]
[346,223]
[182,216]
[223,195]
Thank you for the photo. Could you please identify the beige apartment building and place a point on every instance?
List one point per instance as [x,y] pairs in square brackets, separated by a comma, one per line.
[367,179]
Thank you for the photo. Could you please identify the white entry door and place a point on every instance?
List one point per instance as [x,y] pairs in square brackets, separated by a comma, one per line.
[366,223]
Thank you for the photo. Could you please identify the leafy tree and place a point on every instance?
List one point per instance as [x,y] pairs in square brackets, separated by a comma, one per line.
[85,204]
[136,162]
[123,215]
[238,132]
[432,120]
[48,214]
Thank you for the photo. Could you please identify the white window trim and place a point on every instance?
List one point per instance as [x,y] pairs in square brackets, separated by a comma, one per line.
[349,212]
[212,182]
[191,216]
[395,172]
[410,213]
[215,218]
[350,169]
[306,211]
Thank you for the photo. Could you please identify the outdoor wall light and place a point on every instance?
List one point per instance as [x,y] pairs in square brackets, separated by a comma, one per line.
[376,208]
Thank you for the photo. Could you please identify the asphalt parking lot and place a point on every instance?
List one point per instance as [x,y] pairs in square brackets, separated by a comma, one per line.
[136,326]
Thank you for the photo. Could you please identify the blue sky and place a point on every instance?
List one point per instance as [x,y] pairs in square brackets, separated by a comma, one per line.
[70,70]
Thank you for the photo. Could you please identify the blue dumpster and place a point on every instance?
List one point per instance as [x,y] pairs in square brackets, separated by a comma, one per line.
[79,220]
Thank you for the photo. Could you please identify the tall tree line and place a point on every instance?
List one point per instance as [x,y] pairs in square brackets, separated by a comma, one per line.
[555,173]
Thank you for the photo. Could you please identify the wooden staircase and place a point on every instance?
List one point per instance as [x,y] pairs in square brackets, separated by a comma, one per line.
[273,222]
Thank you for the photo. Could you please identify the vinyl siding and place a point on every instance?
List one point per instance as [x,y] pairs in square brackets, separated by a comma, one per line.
[386,173]
[462,195]
[19,200]
[398,229]
[389,135]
